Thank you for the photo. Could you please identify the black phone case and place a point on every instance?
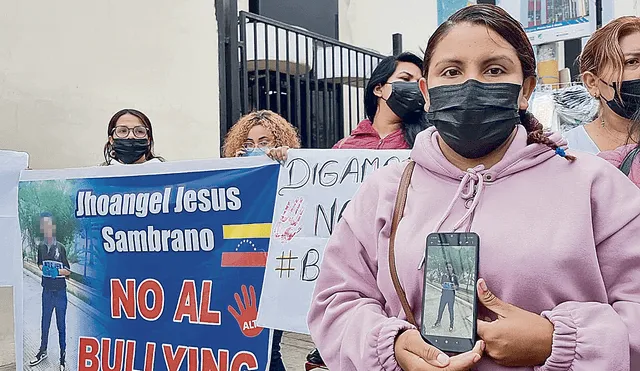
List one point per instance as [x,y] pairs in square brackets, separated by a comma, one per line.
[445,343]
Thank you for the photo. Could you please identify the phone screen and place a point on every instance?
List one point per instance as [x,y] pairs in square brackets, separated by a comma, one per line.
[449,301]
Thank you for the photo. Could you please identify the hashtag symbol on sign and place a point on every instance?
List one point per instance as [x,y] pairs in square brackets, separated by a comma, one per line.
[288,268]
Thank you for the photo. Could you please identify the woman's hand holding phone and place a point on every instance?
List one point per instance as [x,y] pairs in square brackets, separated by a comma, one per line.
[518,338]
[414,354]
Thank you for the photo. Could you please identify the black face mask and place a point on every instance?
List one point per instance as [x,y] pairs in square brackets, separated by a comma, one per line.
[405,99]
[629,106]
[129,151]
[474,118]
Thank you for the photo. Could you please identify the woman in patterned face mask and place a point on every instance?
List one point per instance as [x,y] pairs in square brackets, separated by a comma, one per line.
[261,133]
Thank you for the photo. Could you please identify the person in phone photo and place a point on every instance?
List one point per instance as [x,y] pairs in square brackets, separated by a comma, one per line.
[450,284]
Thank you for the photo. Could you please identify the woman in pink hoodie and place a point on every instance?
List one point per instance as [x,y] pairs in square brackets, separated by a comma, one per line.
[559,258]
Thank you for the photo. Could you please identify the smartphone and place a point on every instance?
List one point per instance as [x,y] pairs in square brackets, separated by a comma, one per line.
[449,304]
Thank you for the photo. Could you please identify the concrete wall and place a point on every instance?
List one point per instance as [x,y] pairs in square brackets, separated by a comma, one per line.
[624,7]
[66,66]
[370,23]
[243,5]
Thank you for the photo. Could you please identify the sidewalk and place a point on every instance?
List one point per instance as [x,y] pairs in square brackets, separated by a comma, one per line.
[7,342]
[463,315]
[295,348]
[77,319]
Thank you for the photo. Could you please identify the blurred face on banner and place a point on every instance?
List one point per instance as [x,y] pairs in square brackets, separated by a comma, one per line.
[47,227]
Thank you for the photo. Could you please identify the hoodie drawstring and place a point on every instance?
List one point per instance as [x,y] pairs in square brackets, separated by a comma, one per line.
[474,184]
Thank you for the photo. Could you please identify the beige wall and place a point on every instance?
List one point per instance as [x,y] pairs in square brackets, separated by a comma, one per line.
[626,7]
[243,5]
[370,23]
[66,66]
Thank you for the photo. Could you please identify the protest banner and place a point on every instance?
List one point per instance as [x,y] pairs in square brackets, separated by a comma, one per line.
[166,265]
[313,190]
[11,164]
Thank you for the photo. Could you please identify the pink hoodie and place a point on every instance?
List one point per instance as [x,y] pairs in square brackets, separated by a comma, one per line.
[557,238]
[617,156]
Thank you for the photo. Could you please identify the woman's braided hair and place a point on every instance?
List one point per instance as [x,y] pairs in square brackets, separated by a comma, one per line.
[508,28]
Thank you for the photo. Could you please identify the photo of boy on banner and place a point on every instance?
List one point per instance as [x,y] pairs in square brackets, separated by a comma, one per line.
[52,260]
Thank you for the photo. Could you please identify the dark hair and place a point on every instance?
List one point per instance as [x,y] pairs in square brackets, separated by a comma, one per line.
[413,124]
[45,214]
[108,147]
[498,20]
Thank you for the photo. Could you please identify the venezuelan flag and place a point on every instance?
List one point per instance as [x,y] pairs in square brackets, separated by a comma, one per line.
[245,259]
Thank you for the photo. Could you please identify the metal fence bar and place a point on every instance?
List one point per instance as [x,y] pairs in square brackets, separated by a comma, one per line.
[358,117]
[341,103]
[288,78]
[278,103]
[298,104]
[350,90]
[325,89]
[256,97]
[243,59]
[334,97]
[307,86]
[267,70]
[317,96]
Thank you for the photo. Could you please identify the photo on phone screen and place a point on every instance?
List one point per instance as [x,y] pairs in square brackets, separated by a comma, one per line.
[449,311]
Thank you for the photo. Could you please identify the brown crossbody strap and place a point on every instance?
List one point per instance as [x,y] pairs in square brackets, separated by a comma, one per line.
[398,211]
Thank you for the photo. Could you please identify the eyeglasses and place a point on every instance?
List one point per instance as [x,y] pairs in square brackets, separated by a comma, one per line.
[262,144]
[122,132]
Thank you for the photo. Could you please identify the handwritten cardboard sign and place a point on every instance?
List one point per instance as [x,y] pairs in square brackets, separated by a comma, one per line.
[314,189]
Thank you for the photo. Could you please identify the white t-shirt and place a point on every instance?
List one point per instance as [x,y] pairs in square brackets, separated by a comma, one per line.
[116,162]
[579,140]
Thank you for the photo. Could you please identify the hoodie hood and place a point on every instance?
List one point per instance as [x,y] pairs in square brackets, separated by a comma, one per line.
[519,157]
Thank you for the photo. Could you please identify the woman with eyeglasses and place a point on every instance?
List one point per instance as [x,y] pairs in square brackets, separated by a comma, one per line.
[261,133]
[130,139]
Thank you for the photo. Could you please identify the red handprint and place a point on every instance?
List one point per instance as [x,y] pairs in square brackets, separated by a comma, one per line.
[248,312]
[289,223]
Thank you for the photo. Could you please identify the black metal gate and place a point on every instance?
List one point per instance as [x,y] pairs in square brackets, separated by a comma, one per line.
[315,82]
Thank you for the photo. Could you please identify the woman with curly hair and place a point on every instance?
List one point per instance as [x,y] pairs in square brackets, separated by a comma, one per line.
[261,133]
